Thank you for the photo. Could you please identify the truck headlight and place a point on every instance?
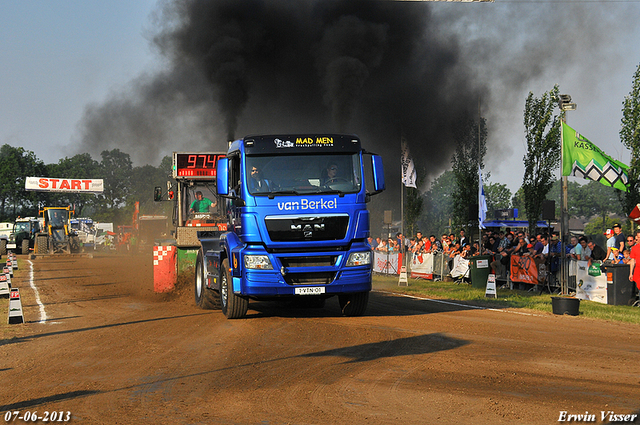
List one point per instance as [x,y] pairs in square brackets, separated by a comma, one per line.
[260,262]
[359,258]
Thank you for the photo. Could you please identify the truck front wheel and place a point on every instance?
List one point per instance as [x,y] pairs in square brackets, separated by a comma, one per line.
[233,306]
[353,304]
[3,247]
[206,298]
[25,246]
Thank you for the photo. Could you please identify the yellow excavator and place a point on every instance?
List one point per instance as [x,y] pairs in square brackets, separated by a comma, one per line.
[56,236]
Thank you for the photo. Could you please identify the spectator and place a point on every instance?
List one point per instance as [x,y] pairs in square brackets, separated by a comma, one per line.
[426,244]
[597,253]
[521,247]
[634,258]
[446,245]
[435,244]
[382,246]
[611,243]
[576,249]
[463,238]
[626,259]
[543,253]
[585,251]
[555,251]
[372,242]
[620,239]
[412,245]
[538,246]
[630,243]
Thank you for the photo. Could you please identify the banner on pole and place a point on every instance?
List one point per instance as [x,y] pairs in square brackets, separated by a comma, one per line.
[482,201]
[581,158]
[409,174]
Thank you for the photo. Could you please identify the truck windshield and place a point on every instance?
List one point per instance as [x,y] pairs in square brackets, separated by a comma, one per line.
[295,174]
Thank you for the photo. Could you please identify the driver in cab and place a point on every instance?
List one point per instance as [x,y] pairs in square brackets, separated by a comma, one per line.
[201,204]
[330,174]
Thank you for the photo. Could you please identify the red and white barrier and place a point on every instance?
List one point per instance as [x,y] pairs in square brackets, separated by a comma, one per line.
[165,272]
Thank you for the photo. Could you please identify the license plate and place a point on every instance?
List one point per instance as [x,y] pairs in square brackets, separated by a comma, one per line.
[11,246]
[309,291]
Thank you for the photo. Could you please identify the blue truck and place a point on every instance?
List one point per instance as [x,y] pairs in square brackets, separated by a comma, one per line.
[297,224]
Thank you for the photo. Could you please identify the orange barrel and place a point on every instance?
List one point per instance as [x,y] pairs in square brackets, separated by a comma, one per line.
[164,268]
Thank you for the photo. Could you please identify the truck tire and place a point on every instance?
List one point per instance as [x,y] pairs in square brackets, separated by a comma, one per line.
[42,244]
[233,306]
[3,247]
[353,304]
[25,247]
[206,298]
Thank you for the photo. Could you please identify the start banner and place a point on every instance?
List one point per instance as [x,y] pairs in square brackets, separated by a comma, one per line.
[50,184]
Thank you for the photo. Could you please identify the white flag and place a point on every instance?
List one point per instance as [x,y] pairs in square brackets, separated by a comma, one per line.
[409,174]
[482,202]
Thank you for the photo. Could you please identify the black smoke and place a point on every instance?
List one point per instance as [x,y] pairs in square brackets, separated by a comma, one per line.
[377,69]
[380,69]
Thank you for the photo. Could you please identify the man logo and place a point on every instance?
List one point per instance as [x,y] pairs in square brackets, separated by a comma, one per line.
[308,229]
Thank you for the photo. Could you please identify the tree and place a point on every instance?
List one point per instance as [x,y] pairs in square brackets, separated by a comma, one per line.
[15,165]
[116,170]
[517,202]
[438,204]
[542,132]
[630,138]
[80,166]
[498,197]
[471,138]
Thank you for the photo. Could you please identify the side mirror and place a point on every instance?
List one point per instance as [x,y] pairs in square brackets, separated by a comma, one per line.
[222,176]
[378,174]
[157,194]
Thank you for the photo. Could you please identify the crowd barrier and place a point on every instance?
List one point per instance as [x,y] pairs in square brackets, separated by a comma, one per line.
[425,265]
[387,262]
[435,265]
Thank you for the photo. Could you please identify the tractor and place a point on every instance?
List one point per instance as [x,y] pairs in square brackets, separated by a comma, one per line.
[56,237]
[24,235]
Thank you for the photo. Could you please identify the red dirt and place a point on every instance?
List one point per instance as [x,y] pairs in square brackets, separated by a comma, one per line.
[113,352]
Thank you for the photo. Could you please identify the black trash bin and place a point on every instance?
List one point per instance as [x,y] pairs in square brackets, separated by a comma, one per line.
[479,270]
[620,290]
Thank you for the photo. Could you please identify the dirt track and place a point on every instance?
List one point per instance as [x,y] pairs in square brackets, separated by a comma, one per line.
[111,351]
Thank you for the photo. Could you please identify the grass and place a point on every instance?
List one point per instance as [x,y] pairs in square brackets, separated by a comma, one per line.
[506,298]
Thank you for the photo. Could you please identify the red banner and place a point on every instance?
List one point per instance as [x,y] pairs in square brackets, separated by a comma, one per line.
[524,269]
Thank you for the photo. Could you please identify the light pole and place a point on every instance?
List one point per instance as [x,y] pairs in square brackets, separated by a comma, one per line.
[565,105]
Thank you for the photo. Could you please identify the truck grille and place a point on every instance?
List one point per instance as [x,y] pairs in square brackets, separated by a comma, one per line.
[320,278]
[307,228]
[320,261]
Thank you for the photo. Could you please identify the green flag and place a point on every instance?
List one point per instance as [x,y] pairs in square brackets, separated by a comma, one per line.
[581,158]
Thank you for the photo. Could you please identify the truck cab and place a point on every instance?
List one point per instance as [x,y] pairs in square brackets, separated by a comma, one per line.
[298,222]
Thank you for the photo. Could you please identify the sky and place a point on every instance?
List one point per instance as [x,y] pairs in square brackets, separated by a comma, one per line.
[62,58]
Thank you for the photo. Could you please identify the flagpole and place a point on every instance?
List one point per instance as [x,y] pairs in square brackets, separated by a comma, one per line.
[479,189]
[564,228]
[565,105]
[402,204]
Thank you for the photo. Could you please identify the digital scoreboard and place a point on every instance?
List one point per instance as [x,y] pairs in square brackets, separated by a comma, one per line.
[196,165]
